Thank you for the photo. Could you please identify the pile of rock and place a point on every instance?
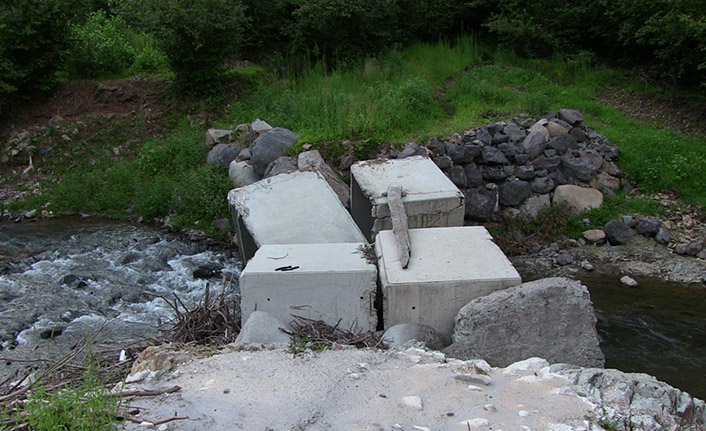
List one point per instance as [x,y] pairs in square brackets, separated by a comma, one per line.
[522,165]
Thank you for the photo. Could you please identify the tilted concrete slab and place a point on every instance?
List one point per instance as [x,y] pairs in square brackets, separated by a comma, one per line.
[330,282]
[448,268]
[430,200]
[293,208]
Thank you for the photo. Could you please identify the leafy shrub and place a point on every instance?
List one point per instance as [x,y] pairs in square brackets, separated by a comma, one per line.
[33,36]
[200,195]
[174,155]
[148,58]
[196,36]
[100,46]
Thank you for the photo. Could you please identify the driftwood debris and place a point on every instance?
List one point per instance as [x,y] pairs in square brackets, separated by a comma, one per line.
[399,223]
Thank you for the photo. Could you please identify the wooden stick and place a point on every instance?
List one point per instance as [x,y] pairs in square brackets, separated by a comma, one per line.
[149,393]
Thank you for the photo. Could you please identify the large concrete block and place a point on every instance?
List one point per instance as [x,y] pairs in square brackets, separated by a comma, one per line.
[293,208]
[430,200]
[330,282]
[448,268]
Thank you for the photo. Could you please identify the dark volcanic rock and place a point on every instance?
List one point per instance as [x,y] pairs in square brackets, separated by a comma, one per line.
[480,203]
[513,193]
[456,152]
[617,232]
[579,168]
[491,155]
[493,173]
[648,226]
[474,178]
[470,152]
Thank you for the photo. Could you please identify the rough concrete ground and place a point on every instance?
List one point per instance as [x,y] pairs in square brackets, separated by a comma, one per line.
[359,390]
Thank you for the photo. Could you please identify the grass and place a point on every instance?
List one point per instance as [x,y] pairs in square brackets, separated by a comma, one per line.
[401,96]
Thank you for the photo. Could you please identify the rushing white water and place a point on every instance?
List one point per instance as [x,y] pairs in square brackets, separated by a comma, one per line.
[73,276]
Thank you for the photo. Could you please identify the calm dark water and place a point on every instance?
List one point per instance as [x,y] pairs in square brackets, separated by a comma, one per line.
[657,328]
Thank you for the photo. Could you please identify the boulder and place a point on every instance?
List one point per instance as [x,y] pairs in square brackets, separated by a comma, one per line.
[218,136]
[222,154]
[556,130]
[578,198]
[470,152]
[513,193]
[562,144]
[270,146]
[312,159]
[524,172]
[571,116]
[542,185]
[552,318]
[535,204]
[648,226]
[474,177]
[617,232]
[534,144]
[281,165]
[398,335]
[605,181]
[244,154]
[242,174]
[492,155]
[480,203]
[515,133]
[443,162]
[456,152]
[594,236]
[263,328]
[493,173]
[436,147]
[458,177]
[258,126]
[579,168]
[413,149]
[663,236]
[484,136]
[539,127]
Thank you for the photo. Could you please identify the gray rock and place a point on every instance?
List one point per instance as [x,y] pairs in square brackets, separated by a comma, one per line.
[244,154]
[571,116]
[578,134]
[550,152]
[609,151]
[539,127]
[551,318]
[578,198]
[635,401]
[513,193]
[437,147]
[524,172]
[413,149]
[563,259]
[605,181]
[694,248]
[557,130]
[242,174]
[492,155]
[562,144]
[522,159]
[515,132]
[500,138]
[617,232]
[535,204]
[484,136]
[281,165]
[648,226]
[458,177]
[542,185]
[474,178]
[263,328]
[470,152]
[398,335]
[681,249]
[222,154]
[480,203]
[443,162]
[549,164]
[258,126]
[456,152]
[511,149]
[217,136]
[628,281]
[663,236]
[493,173]
[534,144]
[702,255]
[579,168]
[270,146]
[461,351]
[312,160]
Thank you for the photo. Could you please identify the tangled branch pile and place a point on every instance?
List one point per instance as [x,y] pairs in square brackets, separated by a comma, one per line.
[318,335]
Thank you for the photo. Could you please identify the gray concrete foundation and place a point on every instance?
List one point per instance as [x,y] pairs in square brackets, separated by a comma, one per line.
[330,282]
[293,208]
[430,200]
[448,268]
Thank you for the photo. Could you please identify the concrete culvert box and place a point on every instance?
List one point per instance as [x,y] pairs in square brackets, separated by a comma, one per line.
[293,208]
[336,283]
[430,198]
[448,268]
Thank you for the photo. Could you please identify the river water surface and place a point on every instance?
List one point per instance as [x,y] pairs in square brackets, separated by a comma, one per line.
[63,278]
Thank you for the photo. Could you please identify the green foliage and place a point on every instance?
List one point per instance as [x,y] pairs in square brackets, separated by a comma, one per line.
[84,407]
[201,195]
[100,46]
[33,36]
[196,36]
[148,58]
[176,154]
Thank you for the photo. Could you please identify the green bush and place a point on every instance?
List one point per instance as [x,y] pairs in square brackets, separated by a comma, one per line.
[148,58]
[200,195]
[33,37]
[197,36]
[100,46]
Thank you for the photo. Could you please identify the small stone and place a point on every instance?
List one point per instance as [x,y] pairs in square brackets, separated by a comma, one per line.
[648,226]
[443,162]
[586,265]
[628,281]
[681,249]
[476,378]
[702,255]
[563,259]
[617,232]
[475,388]
[30,214]
[474,423]
[413,402]
[523,413]
[420,428]
[571,116]
[663,236]
[694,248]
[226,391]
[594,236]
[490,408]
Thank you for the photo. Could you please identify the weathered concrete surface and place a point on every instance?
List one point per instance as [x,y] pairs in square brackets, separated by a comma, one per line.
[414,390]
[330,282]
[552,318]
[293,208]
[448,267]
[430,200]
[312,159]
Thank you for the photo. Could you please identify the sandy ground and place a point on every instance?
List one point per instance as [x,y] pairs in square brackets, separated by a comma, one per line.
[272,390]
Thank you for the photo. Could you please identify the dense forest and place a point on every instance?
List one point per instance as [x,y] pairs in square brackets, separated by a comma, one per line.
[44,41]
